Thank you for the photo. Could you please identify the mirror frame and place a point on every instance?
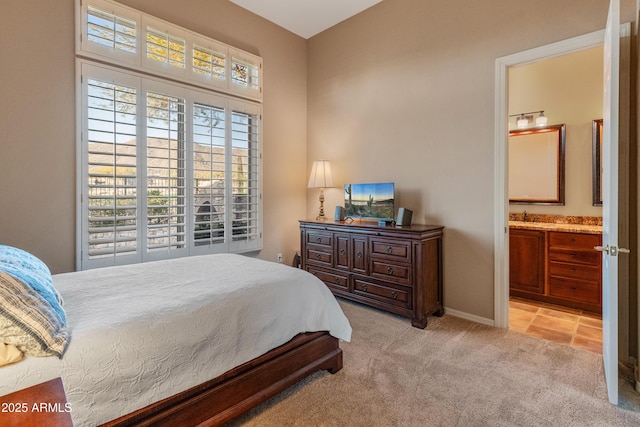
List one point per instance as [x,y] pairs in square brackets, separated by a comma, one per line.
[560,181]
[596,161]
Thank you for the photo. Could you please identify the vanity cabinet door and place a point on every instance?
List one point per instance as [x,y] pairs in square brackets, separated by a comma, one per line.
[526,260]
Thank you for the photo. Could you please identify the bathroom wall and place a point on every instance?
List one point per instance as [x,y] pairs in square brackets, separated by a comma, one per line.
[569,90]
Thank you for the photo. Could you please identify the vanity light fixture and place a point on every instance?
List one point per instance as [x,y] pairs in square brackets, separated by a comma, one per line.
[541,120]
[523,119]
[522,122]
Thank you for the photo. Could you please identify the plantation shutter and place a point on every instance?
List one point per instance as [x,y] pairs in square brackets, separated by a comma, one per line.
[110,30]
[209,173]
[245,75]
[165,173]
[111,170]
[209,63]
[245,176]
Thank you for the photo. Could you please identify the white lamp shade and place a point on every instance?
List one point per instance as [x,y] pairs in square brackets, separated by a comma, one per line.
[320,175]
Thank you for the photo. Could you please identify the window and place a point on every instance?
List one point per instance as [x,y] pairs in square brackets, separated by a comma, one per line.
[120,35]
[167,169]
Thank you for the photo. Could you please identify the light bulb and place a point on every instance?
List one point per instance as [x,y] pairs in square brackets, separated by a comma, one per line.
[541,120]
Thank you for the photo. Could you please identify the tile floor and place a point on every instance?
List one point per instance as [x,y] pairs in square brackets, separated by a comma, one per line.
[559,324]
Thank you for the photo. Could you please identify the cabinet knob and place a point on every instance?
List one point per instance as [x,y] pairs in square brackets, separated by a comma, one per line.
[364,288]
[319,239]
[337,280]
[359,254]
[389,250]
[318,257]
[389,270]
[342,252]
[394,295]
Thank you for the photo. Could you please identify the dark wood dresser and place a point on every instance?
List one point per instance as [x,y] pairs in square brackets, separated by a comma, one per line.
[397,269]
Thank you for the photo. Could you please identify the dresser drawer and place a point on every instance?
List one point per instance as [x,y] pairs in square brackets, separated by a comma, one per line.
[388,293]
[319,256]
[574,271]
[319,238]
[578,290]
[575,256]
[391,249]
[574,240]
[385,270]
[331,279]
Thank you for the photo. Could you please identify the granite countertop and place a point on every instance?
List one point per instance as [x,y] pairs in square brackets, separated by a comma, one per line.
[550,226]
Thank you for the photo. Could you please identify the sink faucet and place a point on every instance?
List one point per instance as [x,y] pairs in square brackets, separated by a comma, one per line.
[524,216]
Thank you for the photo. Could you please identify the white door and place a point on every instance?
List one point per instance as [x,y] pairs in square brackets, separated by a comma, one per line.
[610,201]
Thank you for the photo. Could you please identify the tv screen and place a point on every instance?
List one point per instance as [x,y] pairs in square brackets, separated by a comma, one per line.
[370,201]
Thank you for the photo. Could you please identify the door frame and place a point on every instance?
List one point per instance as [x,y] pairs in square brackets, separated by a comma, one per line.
[501,202]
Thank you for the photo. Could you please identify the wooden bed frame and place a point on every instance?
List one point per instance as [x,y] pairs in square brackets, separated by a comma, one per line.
[222,399]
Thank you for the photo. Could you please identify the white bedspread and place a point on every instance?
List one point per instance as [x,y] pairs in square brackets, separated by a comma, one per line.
[144,332]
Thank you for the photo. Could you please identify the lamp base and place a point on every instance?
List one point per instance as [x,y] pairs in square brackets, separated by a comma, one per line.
[321,216]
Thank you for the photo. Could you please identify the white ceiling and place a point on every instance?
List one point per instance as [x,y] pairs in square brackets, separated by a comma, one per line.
[306,18]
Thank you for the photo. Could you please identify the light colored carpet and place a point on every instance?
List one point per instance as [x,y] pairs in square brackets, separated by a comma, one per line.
[453,373]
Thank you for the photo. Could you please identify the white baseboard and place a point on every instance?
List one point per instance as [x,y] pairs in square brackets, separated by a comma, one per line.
[471,317]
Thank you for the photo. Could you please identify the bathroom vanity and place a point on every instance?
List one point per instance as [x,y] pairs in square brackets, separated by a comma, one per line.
[556,263]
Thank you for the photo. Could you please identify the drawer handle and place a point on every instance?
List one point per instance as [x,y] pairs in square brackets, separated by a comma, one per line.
[389,270]
[394,295]
[319,239]
[337,280]
[359,254]
[364,288]
[318,257]
[342,251]
[389,250]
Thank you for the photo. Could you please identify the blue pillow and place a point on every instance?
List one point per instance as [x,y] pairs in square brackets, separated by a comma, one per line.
[33,272]
[31,315]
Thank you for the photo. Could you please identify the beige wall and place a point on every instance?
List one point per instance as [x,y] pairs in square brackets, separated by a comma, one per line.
[404,92]
[37,118]
[569,89]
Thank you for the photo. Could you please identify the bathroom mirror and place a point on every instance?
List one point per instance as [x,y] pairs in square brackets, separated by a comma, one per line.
[596,171]
[536,165]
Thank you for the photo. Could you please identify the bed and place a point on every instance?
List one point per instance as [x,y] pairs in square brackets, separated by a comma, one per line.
[185,341]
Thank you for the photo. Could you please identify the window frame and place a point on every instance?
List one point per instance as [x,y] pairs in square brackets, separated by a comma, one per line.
[88,70]
[139,61]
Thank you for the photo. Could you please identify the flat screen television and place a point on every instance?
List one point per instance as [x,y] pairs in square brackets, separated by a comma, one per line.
[370,201]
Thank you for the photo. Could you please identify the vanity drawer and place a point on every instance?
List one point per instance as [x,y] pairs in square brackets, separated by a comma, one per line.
[578,290]
[574,271]
[386,270]
[332,280]
[389,293]
[391,249]
[574,240]
[575,256]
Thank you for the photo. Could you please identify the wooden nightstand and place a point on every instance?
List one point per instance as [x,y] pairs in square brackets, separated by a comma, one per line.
[40,405]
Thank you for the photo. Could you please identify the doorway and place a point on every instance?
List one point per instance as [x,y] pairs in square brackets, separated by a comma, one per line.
[555,273]
[501,220]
